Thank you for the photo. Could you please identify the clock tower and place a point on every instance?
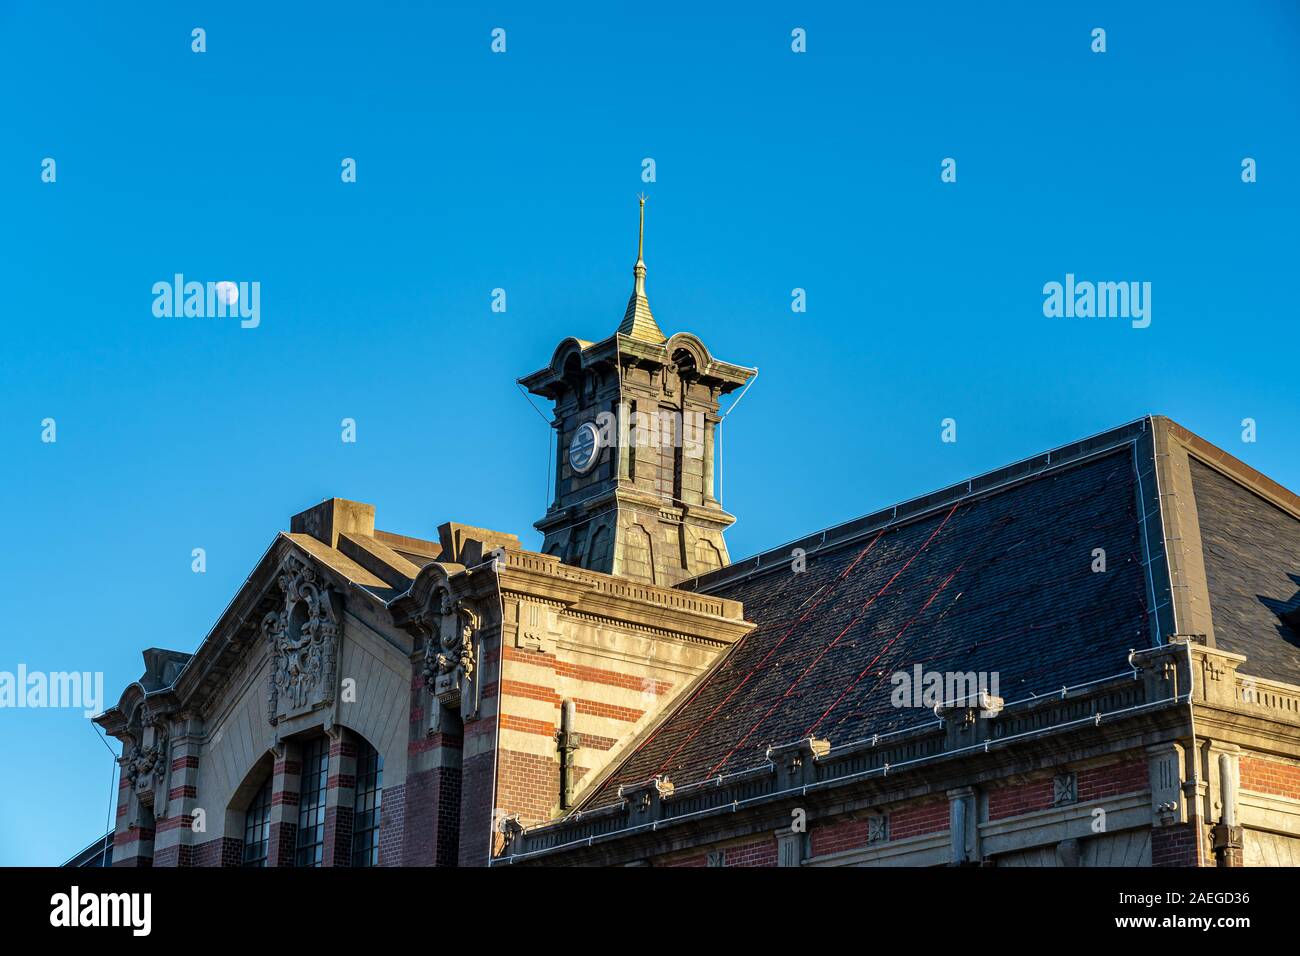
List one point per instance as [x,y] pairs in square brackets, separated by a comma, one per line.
[636,416]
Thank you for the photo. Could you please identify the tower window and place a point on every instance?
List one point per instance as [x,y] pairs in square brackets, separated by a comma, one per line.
[666,439]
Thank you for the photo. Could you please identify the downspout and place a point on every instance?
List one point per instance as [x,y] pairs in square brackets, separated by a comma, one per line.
[1227,834]
[1196,757]
[567,742]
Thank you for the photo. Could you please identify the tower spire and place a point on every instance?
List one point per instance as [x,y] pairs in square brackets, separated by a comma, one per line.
[638,321]
[639,269]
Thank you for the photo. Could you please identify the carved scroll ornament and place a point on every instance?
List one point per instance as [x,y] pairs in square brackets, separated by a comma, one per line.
[303,637]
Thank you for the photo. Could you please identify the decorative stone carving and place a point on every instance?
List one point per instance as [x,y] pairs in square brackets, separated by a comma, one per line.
[144,760]
[643,801]
[144,766]
[1065,787]
[796,761]
[1165,764]
[537,627]
[512,829]
[303,637]
[789,848]
[450,655]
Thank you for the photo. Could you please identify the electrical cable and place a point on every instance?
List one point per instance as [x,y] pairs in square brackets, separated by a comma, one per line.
[112,792]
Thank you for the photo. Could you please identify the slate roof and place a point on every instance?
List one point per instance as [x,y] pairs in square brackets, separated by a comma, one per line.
[998,580]
[1252,565]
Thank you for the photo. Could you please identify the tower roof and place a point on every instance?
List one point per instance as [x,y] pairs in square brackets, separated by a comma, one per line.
[638,321]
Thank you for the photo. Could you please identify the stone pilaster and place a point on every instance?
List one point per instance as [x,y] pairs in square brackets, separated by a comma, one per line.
[963,826]
[133,834]
[340,799]
[286,785]
[178,811]
[432,791]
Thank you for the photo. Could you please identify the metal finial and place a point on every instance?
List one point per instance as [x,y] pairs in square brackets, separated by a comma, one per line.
[640,238]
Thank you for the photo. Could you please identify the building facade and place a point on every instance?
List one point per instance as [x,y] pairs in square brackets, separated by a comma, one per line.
[1090,657]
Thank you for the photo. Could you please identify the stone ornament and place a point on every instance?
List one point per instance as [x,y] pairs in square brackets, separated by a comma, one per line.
[450,655]
[1065,788]
[145,764]
[303,638]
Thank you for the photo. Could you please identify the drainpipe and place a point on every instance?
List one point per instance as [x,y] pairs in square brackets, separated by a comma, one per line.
[567,742]
[1227,835]
[1195,802]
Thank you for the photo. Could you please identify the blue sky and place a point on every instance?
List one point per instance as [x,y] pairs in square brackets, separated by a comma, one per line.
[774,170]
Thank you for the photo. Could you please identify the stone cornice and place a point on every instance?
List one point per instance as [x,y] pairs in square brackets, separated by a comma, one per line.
[577,592]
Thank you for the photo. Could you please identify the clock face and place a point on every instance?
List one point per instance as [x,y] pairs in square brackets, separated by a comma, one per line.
[584,447]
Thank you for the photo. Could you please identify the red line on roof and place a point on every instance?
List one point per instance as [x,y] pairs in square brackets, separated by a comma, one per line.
[854,683]
[856,618]
[843,574]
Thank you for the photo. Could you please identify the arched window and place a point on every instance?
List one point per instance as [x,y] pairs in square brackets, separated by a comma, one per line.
[365,819]
[257,827]
[311,802]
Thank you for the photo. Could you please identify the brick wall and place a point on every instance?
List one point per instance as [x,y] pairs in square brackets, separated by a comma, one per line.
[178,854]
[529,784]
[837,836]
[851,833]
[282,843]
[432,820]
[392,826]
[1094,783]
[1269,776]
[1127,776]
[1173,846]
[760,853]
[918,820]
[476,810]
[337,849]
[609,702]
[223,851]
[1020,798]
